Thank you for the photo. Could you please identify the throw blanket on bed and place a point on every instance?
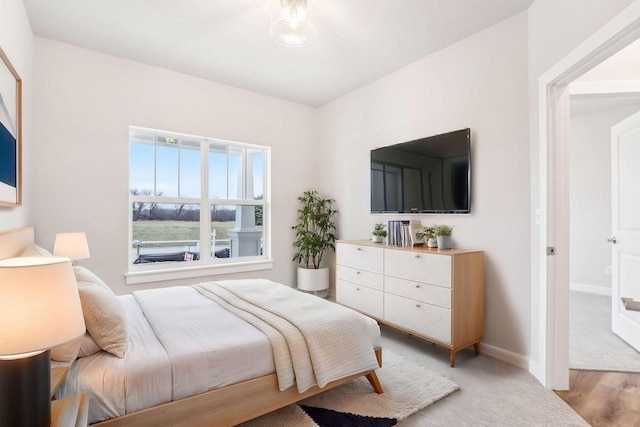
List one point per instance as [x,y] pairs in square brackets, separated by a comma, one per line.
[317,339]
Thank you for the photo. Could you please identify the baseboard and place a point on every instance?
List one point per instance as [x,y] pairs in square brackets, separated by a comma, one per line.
[590,289]
[505,355]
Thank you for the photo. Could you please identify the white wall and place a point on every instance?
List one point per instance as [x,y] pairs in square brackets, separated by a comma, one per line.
[479,82]
[554,29]
[590,181]
[16,40]
[87,101]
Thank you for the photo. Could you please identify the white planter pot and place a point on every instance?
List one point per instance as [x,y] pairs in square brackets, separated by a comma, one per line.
[311,279]
[378,239]
[444,242]
[432,243]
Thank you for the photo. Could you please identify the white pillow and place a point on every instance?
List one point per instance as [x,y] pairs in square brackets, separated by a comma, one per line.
[105,317]
[88,346]
[83,274]
[103,313]
[67,352]
[35,250]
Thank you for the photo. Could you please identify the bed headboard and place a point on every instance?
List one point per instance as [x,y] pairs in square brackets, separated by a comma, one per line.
[14,242]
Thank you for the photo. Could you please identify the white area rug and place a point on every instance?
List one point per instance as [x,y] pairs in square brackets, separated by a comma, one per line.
[408,388]
[592,344]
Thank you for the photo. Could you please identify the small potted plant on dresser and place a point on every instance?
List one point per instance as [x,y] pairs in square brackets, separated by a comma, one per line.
[428,236]
[379,233]
[314,235]
[443,235]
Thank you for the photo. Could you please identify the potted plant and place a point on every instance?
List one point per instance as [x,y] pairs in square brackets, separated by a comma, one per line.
[443,235]
[314,235]
[428,236]
[379,233]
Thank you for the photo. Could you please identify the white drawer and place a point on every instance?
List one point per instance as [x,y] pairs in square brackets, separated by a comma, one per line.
[419,266]
[425,319]
[359,297]
[367,258]
[360,277]
[435,295]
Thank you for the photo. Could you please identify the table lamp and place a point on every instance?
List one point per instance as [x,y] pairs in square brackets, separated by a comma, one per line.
[39,309]
[71,245]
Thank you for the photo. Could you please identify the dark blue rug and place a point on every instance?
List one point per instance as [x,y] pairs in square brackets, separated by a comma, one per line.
[329,418]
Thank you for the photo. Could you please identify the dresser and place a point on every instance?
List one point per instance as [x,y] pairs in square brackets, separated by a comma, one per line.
[436,295]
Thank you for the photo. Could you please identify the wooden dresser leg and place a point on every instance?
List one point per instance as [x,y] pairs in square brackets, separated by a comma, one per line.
[452,358]
[476,347]
[375,382]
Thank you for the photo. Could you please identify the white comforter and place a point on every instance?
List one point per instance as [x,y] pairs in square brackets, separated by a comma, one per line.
[208,346]
[179,344]
[314,341]
[109,380]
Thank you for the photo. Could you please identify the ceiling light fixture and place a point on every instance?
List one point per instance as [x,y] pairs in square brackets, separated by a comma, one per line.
[289,25]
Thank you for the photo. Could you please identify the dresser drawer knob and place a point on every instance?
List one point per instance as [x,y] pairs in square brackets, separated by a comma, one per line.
[358,249]
[417,305]
[417,256]
[357,272]
[357,289]
[417,286]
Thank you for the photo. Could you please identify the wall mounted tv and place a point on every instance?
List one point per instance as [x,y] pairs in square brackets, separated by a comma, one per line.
[428,175]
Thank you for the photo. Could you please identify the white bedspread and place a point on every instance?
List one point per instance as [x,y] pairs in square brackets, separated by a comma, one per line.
[119,386]
[208,346]
[194,345]
[318,340]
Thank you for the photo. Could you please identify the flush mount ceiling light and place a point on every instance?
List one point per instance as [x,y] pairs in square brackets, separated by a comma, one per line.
[289,25]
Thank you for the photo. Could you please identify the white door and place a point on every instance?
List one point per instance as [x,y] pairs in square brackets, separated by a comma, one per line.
[625,221]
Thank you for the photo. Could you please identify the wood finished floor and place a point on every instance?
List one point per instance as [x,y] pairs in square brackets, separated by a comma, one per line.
[604,398]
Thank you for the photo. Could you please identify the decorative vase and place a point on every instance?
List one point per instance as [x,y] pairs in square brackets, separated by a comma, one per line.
[444,242]
[313,280]
[378,239]
[432,242]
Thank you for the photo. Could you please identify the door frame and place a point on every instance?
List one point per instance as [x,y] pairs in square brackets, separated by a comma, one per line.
[550,318]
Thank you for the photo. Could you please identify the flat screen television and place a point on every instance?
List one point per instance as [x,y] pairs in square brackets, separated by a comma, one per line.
[428,175]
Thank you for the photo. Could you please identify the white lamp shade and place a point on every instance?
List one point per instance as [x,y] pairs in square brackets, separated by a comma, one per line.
[71,245]
[39,304]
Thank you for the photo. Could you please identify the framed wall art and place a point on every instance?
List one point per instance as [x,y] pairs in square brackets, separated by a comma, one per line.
[10,134]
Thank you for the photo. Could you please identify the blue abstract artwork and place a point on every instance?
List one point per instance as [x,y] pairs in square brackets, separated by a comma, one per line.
[8,142]
[9,133]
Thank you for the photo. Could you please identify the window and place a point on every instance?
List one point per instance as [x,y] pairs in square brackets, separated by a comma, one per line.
[195,204]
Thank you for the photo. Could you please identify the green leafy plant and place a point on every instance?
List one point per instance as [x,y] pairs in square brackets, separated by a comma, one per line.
[426,233]
[442,230]
[378,230]
[315,230]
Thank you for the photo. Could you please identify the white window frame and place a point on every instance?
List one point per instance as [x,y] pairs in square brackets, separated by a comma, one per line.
[205,266]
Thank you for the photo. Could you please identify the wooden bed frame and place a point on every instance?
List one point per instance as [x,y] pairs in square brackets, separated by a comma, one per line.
[230,405]
[225,406]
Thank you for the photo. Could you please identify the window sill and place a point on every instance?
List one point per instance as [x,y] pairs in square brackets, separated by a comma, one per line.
[161,275]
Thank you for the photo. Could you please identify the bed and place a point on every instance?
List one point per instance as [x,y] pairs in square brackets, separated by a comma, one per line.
[189,361]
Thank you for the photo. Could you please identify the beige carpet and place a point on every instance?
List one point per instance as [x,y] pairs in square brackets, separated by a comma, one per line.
[492,393]
[592,345]
[408,387]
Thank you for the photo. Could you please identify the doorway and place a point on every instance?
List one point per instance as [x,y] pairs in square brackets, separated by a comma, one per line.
[597,103]
[551,329]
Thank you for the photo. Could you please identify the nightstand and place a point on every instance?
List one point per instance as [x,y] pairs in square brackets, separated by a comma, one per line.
[69,412]
[57,376]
